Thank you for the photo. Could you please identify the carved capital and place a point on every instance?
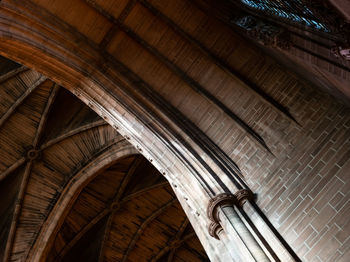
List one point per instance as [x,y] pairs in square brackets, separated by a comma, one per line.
[224,200]
[221,200]
[243,196]
[214,229]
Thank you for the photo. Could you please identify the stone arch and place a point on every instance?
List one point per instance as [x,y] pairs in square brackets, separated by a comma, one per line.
[68,196]
[57,53]
[196,169]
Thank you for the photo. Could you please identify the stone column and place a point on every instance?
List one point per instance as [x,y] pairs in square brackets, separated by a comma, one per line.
[237,222]
[228,226]
[277,250]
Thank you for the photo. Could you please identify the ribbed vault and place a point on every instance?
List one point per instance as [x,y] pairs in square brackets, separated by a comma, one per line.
[132,214]
[123,211]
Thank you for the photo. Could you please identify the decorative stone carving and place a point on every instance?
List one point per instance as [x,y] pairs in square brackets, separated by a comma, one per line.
[214,229]
[243,196]
[221,200]
[341,52]
[265,33]
[224,200]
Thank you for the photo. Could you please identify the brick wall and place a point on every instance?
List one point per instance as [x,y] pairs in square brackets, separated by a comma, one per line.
[303,185]
[304,188]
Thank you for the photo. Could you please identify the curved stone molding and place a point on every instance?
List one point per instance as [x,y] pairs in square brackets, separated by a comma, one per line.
[224,200]
[214,229]
[221,200]
[243,196]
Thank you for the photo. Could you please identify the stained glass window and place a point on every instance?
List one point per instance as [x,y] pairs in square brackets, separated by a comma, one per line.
[293,10]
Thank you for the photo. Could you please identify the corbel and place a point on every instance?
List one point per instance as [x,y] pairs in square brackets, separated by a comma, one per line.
[224,200]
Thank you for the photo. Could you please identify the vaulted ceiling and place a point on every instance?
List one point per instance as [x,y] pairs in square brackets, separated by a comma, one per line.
[123,211]
[131,214]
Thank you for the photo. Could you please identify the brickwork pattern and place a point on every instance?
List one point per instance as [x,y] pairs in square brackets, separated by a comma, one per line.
[303,186]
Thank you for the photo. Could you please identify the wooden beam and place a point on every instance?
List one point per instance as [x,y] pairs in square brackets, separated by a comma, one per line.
[105,234]
[187,237]
[138,193]
[73,132]
[170,247]
[178,237]
[182,228]
[143,226]
[44,239]
[135,164]
[44,116]
[11,111]
[101,215]
[20,100]
[161,253]
[17,212]
[12,73]
[26,176]
[81,233]
[12,168]
[171,255]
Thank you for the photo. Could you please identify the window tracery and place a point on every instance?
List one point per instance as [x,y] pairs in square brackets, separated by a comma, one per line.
[294,10]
